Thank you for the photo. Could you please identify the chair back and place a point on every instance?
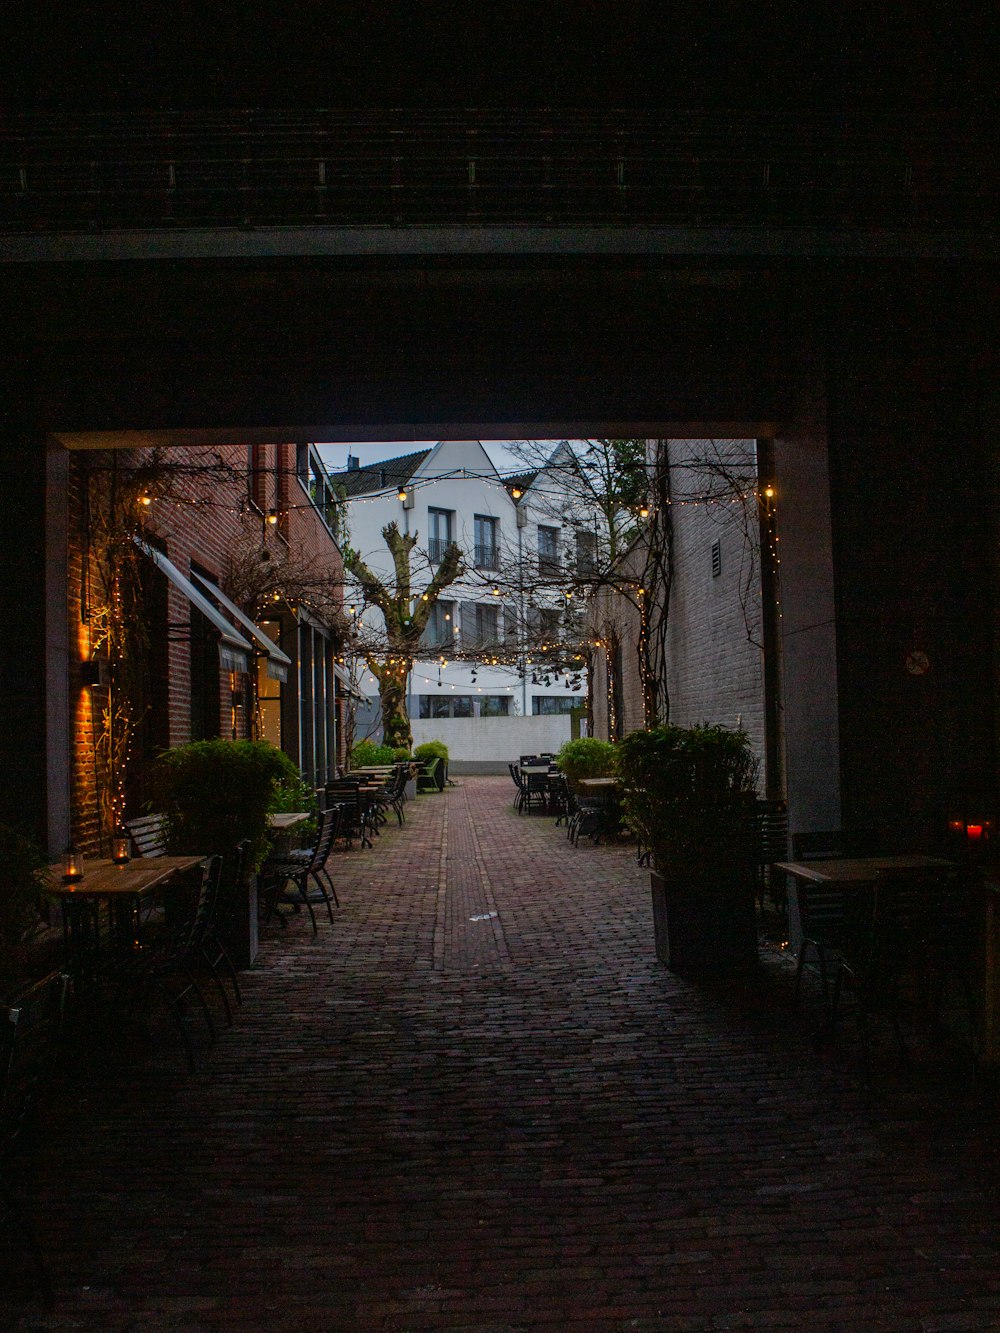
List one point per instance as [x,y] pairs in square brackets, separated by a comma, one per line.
[233,875]
[818,845]
[907,915]
[29,1043]
[148,834]
[206,912]
[821,912]
[329,827]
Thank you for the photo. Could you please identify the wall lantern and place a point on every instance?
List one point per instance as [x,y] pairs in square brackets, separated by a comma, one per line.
[96,671]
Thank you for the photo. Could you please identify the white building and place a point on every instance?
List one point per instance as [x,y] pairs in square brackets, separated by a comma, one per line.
[496,638]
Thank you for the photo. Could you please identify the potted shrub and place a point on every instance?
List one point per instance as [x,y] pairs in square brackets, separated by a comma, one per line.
[23,876]
[216,793]
[689,793]
[434,750]
[369,754]
[587,757]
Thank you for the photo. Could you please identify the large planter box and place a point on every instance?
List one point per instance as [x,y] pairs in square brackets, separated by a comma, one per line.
[703,927]
[239,933]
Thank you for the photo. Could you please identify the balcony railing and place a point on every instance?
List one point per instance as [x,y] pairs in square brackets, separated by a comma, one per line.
[487,557]
[436,548]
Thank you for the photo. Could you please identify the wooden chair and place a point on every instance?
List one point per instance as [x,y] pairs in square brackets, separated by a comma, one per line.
[29,1043]
[148,834]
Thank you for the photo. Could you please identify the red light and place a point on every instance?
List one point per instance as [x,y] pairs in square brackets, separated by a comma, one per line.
[974,832]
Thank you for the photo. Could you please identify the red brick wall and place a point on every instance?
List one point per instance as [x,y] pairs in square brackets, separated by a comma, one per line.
[202,513]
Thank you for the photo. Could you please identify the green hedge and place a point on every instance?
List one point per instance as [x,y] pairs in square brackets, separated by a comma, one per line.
[367,754]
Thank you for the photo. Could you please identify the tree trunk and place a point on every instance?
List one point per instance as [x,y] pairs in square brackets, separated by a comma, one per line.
[395,719]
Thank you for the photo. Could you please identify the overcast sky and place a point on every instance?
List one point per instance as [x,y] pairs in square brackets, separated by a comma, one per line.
[335,455]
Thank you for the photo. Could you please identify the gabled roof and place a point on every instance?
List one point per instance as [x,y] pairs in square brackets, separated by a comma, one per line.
[381,476]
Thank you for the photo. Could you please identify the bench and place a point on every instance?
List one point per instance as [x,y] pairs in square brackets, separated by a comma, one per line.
[148,834]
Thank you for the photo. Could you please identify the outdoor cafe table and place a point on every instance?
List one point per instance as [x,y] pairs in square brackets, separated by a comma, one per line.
[856,874]
[287,819]
[120,888]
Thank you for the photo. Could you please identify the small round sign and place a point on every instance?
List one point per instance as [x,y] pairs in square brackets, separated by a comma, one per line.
[917,663]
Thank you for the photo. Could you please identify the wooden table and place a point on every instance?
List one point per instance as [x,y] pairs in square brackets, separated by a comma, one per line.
[287,819]
[120,887]
[855,872]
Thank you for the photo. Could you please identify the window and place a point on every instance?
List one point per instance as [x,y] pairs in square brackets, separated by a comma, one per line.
[464,705]
[440,630]
[494,705]
[586,552]
[486,553]
[283,489]
[445,705]
[439,532]
[716,558]
[548,550]
[549,705]
[206,680]
[268,721]
[487,630]
[315,481]
[550,625]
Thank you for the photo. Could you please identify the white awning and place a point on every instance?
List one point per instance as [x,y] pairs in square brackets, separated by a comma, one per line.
[349,687]
[234,651]
[278,662]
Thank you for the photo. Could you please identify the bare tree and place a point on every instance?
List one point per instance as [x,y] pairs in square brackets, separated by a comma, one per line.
[405,618]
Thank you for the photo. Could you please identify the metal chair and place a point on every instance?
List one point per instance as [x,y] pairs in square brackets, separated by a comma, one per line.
[213,951]
[169,967]
[914,938]
[310,867]
[515,773]
[29,1043]
[534,791]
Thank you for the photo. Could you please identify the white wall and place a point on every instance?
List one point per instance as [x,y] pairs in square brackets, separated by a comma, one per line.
[496,740]
[808,624]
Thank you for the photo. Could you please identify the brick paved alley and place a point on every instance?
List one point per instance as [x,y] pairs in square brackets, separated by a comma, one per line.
[479,1103]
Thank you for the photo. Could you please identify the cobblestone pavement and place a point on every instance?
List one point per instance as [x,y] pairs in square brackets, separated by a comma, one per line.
[479,1103]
